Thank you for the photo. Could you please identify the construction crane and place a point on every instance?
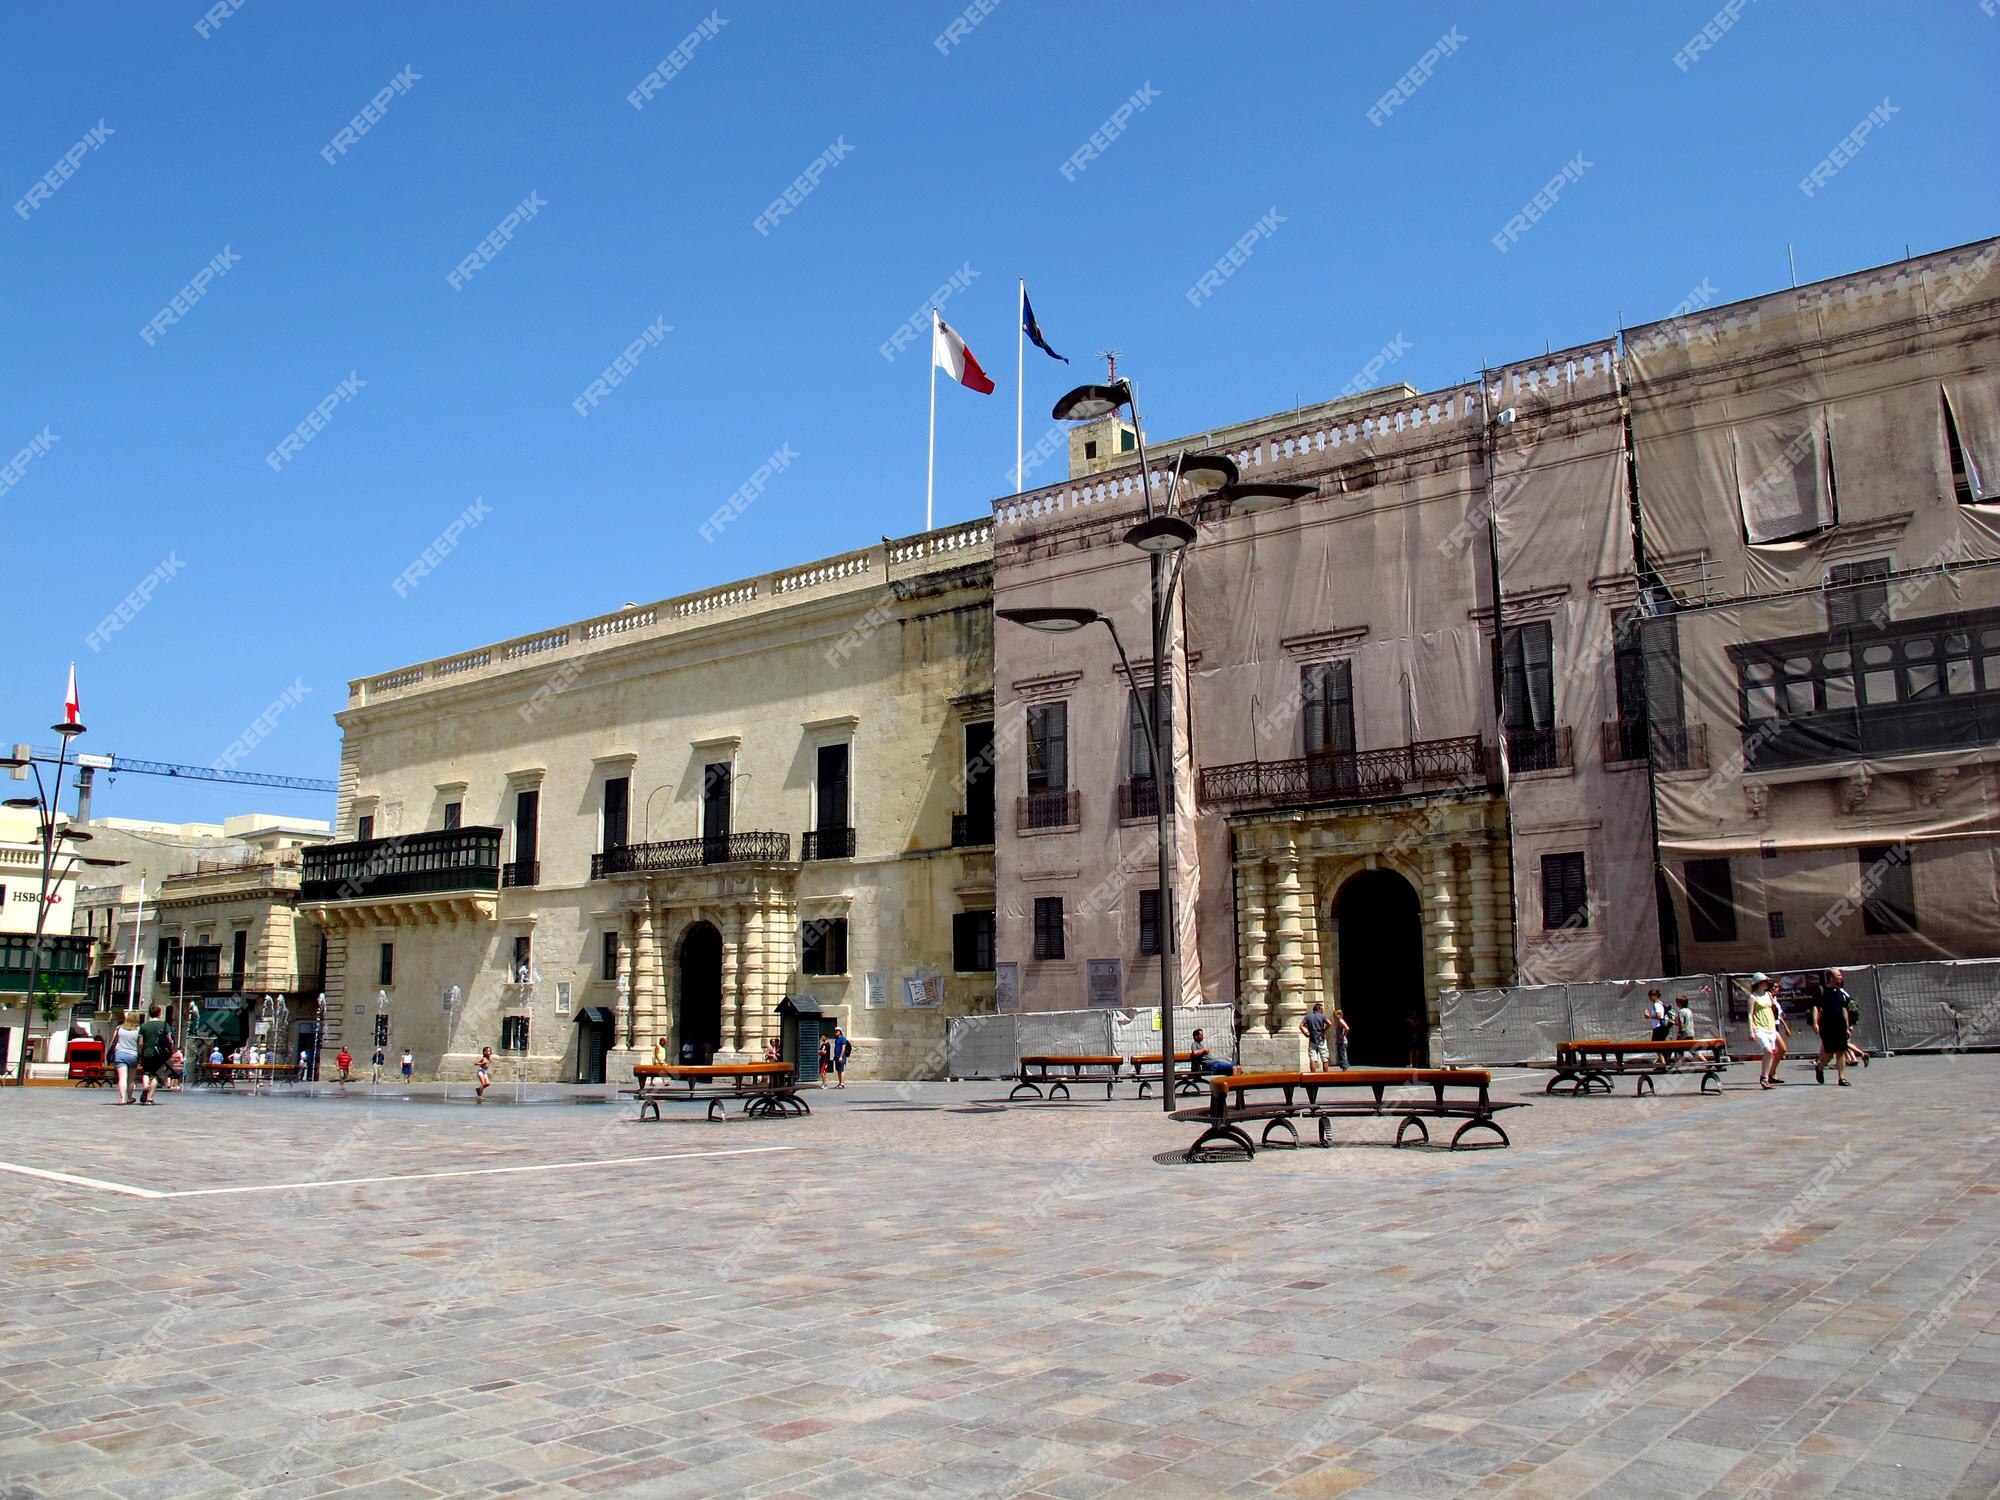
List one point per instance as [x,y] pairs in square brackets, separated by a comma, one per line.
[87,767]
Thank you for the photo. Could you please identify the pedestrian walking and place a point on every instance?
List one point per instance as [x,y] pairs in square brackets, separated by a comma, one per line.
[409,1065]
[1831,1019]
[375,1066]
[660,1053]
[156,1050]
[1767,1027]
[344,1060]
[125,1053]
[772,1051]
[842,1050]
[1340,1033]
[1657,1017]
[825,1061]
[1683,1019]
[483,1071]
[1314,1028]
[176,1070]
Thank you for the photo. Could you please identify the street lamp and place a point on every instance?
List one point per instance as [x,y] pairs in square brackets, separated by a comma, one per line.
[47,801]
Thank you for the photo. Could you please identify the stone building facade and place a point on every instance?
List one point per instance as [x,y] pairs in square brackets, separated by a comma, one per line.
[664,821]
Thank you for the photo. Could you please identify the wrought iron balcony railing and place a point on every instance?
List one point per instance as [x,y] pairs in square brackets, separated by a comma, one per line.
[1358,776]
[1675,747]
[521,872]
[684,854]
[1539,749]
[1138,799]
[411,864]
[971,830]
[1048,810]
[827,843]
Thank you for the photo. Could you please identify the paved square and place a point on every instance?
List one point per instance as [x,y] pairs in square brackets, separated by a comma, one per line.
[928,1292]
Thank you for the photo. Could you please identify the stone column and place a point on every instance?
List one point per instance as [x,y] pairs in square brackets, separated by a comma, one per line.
[1444,920]
[750,1024]
[628,1018]
[1284,1047]
[1486,971]
[732,983]
[1252,943]
[647,1000]
[1312,950]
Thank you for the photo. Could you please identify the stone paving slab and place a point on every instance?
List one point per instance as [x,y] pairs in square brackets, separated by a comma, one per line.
[930,1292]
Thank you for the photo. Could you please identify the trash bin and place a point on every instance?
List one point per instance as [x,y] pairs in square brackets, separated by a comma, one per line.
[801,1024]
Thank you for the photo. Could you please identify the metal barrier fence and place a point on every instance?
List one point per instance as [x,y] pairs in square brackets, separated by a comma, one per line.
[991,1046]
[1944,1006]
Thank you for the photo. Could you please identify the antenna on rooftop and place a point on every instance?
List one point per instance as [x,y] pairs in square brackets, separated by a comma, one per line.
[1110,358]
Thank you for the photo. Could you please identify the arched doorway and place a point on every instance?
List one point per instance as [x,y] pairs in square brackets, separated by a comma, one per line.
[698,995]
[1381,968]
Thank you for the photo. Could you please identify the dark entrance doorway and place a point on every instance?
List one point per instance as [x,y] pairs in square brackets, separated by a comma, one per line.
[594,1032]
[699,994]
[1381,969]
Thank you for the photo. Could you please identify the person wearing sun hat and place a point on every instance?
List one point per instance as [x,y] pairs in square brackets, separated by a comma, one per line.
[1767,1027]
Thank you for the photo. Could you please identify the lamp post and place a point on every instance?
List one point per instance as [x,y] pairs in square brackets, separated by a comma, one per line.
[1165,538]
[46,801]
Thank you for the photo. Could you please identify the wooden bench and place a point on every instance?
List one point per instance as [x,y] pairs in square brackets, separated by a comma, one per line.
[1280,1098]
[766,1089]
[1590,1065]
[228,1074]
[1058,1073]
[1187,1081]
[92,1075]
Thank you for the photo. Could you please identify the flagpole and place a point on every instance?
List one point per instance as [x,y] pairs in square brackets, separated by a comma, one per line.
[930,467]
[1020,375]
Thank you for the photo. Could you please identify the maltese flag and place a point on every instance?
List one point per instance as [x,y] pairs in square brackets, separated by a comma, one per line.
[71,707]
[949,354]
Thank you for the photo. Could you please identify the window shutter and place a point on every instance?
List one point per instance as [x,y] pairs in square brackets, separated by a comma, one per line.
[1537,657]
[1141,760]
[1149,921]
[1313,687]
[1340,707]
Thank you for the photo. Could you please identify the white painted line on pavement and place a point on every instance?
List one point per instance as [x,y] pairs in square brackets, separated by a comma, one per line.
[544,1166]
[89,1182]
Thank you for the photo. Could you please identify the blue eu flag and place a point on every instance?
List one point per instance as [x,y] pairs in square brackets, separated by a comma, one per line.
[1034,330]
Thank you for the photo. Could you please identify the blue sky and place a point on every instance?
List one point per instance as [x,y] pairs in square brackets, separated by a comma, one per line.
[950,154]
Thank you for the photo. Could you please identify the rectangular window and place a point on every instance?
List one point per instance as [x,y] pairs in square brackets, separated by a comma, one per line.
[1048,927]
[381,1031]
[239,953]
[1528,677]
[831,779]
[386,974]
[826,946]
[609,965]
[1149,921]
[1565,902]
[617,812]
[1964,488]
[1328,691]
[979,783]
[364,827]
[454,815]
[513,1034]
[527,825]
[1852,598]
[1048,748]
[1711,900]
[972,942]
[1888,890]
[715,780]
[524,959]
[1776,922]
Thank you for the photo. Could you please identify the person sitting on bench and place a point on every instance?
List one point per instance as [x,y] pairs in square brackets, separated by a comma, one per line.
[1204,1061]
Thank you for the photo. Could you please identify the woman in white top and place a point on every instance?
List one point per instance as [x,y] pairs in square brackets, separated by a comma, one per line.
[125,1053]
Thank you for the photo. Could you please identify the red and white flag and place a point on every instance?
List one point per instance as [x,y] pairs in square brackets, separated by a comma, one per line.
[949,354]
[70,706]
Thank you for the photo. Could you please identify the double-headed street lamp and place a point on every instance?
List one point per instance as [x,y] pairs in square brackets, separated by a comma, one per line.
[1163,536]
[46,802]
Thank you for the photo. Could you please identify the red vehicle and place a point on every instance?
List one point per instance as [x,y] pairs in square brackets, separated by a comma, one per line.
[86,1062]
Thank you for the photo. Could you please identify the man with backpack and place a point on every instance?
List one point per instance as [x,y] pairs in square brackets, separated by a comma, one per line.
[156,1051]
